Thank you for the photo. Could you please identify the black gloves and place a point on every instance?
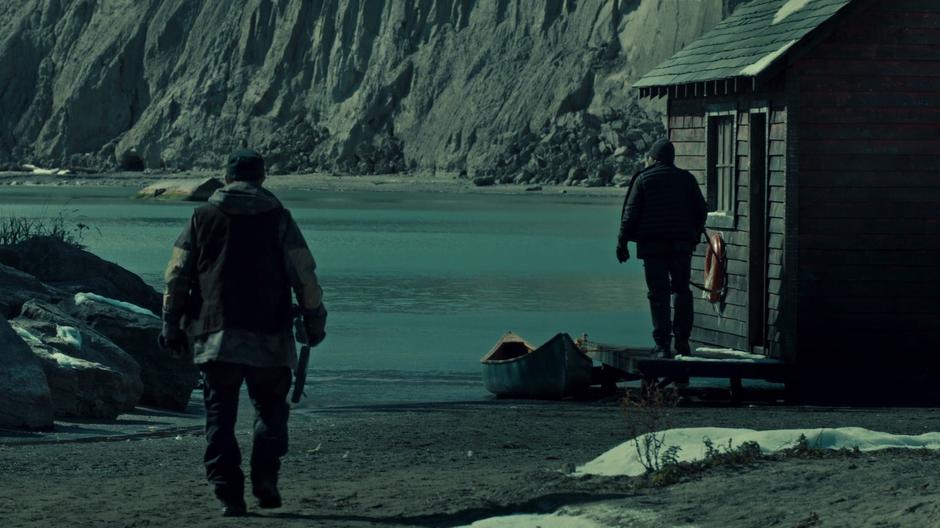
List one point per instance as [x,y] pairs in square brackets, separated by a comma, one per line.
[623,254]
[314,327]
[173,340]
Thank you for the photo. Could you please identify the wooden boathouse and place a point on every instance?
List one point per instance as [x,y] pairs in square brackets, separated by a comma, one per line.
[813,127]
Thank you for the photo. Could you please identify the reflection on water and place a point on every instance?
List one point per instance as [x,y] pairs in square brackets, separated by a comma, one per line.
[414,282]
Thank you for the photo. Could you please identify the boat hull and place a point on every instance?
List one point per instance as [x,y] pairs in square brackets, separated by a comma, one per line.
[554,370]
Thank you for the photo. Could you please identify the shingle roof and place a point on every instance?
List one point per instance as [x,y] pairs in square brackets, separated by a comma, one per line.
[744,44]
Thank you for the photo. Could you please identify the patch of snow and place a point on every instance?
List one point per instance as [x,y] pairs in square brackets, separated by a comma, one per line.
[82,297]
[70,335]
[623,459]
[25,334]
[66,361]
[725,354]
[766,60]
[680,357]
[592,515]
[787,9]
[37,170]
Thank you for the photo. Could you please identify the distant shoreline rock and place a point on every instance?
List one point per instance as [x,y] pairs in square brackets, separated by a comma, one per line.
[186,190]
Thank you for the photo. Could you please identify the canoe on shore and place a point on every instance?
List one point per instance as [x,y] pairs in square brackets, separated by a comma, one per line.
[514,368]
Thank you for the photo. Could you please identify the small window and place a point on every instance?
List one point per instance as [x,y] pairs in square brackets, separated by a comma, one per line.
[721,183]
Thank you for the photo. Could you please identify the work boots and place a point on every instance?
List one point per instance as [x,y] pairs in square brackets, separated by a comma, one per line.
[682,347]
[268,495]
[232,505]
[661,350]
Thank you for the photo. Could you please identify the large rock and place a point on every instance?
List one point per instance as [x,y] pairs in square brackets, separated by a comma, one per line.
[90,377]
[168,382]
[70,268]
[17,287]
[25,399]
[189,190]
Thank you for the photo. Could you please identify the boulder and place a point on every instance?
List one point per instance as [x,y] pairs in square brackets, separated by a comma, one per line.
[168,382]
[196,190]
[73,269]
[25,399]
[17,287]
[89,376]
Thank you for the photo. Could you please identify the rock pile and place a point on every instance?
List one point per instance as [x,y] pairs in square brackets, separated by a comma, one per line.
[86,355]
[66,267]
[578,149]
[89,376]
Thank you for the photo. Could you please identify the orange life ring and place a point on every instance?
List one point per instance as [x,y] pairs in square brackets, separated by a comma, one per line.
[714,269]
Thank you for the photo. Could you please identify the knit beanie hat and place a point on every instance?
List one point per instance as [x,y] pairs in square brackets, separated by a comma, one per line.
[664,151]
[245,165]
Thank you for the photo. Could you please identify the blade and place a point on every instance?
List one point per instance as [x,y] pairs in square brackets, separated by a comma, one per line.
[300,375]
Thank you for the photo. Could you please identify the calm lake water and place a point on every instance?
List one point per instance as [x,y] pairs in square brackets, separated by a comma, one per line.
[418,285]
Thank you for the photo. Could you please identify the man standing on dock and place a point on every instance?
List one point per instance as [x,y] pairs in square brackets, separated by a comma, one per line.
[228,286]
[664,212]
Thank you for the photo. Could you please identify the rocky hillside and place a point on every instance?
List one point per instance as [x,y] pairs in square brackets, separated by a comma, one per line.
[524,90]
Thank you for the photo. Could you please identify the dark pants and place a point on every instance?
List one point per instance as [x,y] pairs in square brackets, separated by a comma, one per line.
[668,274]
[267,388]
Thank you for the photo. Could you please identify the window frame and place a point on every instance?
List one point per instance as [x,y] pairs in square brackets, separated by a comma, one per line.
[722,212]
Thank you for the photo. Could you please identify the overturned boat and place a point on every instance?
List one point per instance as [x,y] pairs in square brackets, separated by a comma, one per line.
[514,368]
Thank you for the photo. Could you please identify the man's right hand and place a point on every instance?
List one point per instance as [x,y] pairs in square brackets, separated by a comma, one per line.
[314,339]
[623,254]
[315,326]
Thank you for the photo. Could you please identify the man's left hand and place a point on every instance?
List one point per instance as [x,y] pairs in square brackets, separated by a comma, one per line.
[172,339]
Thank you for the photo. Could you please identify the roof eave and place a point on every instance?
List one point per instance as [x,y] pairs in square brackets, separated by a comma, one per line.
[771,70]
[704,88]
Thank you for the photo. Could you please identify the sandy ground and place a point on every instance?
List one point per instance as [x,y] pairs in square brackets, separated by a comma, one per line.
[401,183]
[456,463]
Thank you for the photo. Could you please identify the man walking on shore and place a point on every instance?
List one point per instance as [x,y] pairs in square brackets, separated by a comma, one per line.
[228,286]
[664,212]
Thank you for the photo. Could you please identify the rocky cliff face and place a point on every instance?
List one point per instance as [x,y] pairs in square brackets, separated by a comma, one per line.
[350,85]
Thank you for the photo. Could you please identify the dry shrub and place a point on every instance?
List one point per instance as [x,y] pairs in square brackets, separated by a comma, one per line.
[648,412]
[16,229]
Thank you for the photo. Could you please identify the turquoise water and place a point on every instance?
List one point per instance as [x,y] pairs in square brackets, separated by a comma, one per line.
[415,282]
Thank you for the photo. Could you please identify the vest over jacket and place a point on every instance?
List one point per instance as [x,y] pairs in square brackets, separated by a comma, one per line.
[242,278]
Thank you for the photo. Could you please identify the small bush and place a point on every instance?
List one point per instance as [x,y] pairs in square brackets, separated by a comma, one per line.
[16,229]
[672,471]
[647,413]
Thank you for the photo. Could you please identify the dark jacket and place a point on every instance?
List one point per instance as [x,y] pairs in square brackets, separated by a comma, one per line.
[235,264]
[663,208]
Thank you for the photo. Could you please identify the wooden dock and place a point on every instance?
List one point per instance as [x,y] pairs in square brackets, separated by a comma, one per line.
[632,363]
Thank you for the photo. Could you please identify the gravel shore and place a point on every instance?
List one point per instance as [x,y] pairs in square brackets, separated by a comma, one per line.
[453,464]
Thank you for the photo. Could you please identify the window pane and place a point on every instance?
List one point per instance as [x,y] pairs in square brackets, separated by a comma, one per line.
[721,163]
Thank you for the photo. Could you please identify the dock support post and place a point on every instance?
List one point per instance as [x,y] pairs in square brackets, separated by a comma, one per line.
[736,389]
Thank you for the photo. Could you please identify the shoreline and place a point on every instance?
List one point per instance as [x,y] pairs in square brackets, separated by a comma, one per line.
[418,182]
